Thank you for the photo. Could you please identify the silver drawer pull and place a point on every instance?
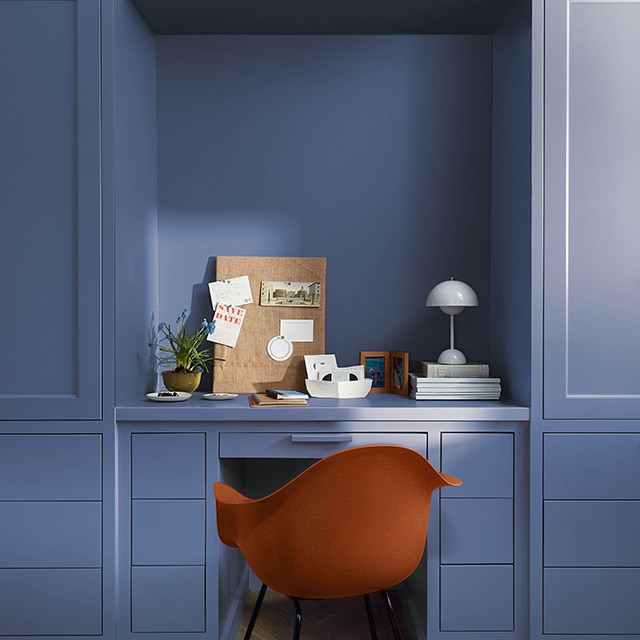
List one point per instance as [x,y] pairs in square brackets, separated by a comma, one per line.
[319,438]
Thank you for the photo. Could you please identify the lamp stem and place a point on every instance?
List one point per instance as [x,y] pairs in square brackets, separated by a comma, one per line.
[451,332]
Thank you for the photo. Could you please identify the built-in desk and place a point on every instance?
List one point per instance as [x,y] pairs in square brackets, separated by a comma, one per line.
[376,406]
[177,581]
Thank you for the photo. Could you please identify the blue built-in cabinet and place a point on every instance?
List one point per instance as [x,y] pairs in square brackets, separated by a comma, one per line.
[51,550]
[179,581]
[591,290]
[168,532]
[477,524]
[585,429]
[591,530]
[50,198]
[56,539]
[505,155]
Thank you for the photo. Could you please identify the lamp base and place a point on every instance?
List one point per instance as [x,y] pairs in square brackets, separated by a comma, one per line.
[452,356]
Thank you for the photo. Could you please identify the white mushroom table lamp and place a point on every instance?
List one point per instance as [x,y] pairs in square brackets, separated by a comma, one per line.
[453,297]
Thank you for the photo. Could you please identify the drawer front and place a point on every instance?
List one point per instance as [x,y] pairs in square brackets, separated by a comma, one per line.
[476,598]
[168,465]
[476,531]
[588,533]
[50,534]
[47,602]
[591,601]
[599,466]
[310,445]
[168,532]
[50,467]
[484,462]
[167,599]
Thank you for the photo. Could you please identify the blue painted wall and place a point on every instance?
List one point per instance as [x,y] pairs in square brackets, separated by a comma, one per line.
[511,203]
[135,197]
[374,151]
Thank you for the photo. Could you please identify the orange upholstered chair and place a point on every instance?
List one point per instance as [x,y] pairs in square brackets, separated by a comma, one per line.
[354,523]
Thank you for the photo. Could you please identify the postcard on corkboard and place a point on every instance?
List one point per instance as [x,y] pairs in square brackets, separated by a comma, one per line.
[283,289]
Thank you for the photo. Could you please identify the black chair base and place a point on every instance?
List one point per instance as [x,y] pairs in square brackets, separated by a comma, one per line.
[297,626]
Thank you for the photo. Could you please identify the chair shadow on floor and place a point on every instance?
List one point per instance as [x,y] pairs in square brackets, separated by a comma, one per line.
[339,619]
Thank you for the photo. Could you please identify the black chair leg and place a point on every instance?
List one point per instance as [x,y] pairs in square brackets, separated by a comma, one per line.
[372,624]
[256,609]
[392,614]
[298,621]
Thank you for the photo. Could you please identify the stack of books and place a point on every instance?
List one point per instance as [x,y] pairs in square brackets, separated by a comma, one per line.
[466,370]
[468,381]
[279,398]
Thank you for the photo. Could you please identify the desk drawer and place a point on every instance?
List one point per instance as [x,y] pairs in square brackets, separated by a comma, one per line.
[50,467]
[310,445]
[588,533]
[50,534]
[592,466]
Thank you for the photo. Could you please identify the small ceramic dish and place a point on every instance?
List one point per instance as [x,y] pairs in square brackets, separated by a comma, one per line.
[169,396]
[219,396]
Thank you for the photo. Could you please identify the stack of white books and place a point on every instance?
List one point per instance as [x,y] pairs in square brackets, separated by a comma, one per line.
[431,388]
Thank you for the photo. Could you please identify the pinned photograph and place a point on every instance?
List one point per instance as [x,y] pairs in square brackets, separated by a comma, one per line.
[289,294]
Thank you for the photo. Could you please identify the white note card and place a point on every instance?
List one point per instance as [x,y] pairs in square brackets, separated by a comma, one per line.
[235,291]
[228,321]
[297,330]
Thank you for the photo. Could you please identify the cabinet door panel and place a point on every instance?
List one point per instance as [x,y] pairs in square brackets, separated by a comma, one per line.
[476,598]
[476,531]
[592,162]
[587,533]
[167,599]
[50,467]
[64,602]
[50,245]
[597,466]
[591,601]
[51,534]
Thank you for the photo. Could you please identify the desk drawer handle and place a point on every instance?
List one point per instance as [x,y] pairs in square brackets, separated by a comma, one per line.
[313,438]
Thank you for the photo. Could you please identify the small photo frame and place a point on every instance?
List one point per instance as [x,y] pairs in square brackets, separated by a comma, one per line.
[377,367]
[399,378]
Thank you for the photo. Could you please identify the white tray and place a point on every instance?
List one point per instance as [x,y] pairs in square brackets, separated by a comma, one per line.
[345,389]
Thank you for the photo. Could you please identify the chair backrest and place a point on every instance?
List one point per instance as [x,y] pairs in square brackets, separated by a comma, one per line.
[354,522]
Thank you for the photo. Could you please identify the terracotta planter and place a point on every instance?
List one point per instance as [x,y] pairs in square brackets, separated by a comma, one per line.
[181,381]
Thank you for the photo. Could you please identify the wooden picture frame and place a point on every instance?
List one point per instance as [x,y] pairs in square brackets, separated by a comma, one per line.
[376,366]
[399,372]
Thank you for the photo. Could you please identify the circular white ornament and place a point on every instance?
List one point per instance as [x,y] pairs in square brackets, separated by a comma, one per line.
[279,348]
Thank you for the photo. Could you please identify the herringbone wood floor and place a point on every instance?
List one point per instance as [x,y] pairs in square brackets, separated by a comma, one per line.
[343,619]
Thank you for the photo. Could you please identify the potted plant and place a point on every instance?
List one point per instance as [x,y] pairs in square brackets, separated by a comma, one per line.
[183,353]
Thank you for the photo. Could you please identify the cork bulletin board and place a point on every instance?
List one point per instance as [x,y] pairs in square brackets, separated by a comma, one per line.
[247,367]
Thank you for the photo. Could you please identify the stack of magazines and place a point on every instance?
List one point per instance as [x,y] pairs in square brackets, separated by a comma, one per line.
[431,388]
[279,398]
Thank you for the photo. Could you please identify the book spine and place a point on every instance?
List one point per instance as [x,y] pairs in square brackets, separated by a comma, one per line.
[279,394]
[469,370]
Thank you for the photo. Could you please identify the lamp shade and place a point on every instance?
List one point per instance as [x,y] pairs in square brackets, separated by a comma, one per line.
[452,296]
